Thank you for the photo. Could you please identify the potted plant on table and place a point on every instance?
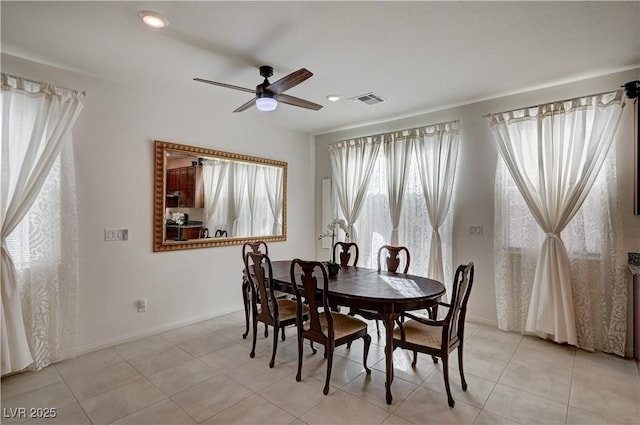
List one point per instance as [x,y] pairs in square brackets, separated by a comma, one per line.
[332,266]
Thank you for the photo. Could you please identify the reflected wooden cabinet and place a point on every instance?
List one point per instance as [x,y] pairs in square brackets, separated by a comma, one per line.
[183,232]
[184,187]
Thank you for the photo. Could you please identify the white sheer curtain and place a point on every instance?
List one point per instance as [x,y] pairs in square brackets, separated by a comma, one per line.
[273,182]
[413,230]
[39,288]
[214,180]
[253,174]
[352,162]
[554,153]
[237,195]
[397,151]
[436,150]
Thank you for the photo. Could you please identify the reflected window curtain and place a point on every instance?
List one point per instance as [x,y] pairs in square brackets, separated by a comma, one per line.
[398,149]
[257,201]
[39,262]
[436,149]
[237,195]
[273,183]
[214,178]
[352,162]
[554,153]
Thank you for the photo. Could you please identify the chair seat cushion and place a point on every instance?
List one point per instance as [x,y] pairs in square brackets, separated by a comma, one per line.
[343,325]
[288,309]
[420,334]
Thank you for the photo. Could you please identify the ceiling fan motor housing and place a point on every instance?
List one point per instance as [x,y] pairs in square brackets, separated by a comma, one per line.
[266,71]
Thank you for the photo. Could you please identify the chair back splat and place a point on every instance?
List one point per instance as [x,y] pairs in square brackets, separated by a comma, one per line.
[392,256]
[345,250]
[459,297]
[255,246]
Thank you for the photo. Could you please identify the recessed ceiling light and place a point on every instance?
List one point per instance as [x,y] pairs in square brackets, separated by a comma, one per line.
[153,19]
[333,98]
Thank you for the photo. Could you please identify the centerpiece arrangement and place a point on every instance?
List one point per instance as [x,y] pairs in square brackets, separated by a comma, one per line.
[332,266]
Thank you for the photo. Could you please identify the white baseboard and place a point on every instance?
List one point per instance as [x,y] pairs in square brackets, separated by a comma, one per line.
[151,331]
[482,321]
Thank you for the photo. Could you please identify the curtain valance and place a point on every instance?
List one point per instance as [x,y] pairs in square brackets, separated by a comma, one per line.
[417,132]
[600,100]
[31,88]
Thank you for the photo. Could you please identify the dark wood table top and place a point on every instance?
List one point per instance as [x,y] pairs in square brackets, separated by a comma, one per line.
[358,286]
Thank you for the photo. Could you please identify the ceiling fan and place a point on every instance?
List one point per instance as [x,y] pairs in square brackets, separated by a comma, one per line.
[269,94]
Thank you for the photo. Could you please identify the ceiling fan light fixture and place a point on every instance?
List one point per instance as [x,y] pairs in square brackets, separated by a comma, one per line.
[333,97]
[153,19]
[266,103]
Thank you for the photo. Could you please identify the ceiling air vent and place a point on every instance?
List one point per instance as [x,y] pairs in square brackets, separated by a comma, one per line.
[369,99]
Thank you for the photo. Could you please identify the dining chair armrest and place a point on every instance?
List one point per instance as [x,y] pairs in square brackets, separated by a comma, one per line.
[425,320]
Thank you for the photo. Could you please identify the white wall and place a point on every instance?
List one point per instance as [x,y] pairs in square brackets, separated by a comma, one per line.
[113,141]
[474,199]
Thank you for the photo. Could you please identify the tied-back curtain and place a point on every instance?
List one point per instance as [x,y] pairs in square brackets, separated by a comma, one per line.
[214,177]
[436,150]
[352,162]
[554,153]
[36,123]
[273,182]
[397,150]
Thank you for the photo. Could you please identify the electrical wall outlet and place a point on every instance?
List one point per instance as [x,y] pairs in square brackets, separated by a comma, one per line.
[116,234]
[474,230]
[142,305]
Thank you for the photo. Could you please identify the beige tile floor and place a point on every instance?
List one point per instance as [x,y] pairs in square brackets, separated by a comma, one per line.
[202,374]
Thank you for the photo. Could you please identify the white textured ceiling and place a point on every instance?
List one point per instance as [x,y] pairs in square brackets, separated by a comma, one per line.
[418,55]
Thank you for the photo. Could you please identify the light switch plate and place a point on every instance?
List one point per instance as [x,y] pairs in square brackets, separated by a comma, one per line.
[116,234]
[474,230]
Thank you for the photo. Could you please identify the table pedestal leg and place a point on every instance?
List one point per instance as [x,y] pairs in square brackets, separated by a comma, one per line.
[388,352]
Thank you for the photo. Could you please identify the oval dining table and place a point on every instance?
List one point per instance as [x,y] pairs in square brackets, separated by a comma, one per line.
[390,294]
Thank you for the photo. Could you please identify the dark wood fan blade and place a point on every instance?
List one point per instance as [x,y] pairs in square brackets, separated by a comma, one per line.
[296,101]
[229,86]
[247,105]
[291,80]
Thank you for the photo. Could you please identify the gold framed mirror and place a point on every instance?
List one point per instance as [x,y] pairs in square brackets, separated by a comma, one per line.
[205,198]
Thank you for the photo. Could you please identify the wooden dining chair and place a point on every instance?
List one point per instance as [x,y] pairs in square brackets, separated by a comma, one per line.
[273,311]
[325,327]
[392,259]
[438,338]
[257,247]
[345,251]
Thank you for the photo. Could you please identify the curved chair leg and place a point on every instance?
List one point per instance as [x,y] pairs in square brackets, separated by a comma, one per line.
[464,381]
[299,374]
[313,348]
[266,330]
[367,344]
[378,327]
[255,335]
[325,391]
[445,370]
[415,359]
[245,298]
[283,335]
[275,347]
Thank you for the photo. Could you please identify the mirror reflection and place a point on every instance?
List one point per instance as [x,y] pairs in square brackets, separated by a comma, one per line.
[205,197]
